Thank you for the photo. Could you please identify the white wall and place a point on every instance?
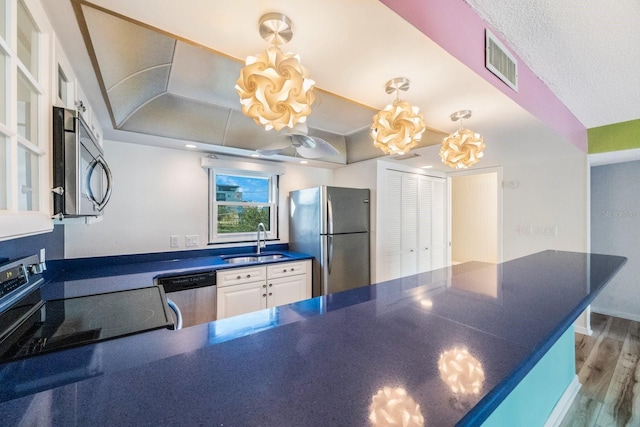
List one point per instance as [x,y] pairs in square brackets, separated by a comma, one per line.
[545,206]
[159,192]
[615,230]
[548,193]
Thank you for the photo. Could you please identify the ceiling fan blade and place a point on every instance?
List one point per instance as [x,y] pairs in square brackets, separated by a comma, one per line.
[271,152]
[277,148]
[312,147]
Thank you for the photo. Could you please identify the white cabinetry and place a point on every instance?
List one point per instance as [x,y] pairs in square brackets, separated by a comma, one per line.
[413,227]
[247,289]
[24,119]
[34,75]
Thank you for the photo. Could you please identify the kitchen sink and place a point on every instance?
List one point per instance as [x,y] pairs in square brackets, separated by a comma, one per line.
[242,259]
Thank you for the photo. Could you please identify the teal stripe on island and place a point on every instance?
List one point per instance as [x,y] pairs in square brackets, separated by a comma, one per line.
[533,400]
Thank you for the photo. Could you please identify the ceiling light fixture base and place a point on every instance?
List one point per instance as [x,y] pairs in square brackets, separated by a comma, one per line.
[275,28]
[462,114]
[399,83]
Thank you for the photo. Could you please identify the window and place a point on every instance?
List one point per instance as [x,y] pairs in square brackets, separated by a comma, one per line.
[239,201]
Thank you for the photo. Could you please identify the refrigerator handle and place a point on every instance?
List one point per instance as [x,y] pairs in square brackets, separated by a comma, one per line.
[329,253]
[329,215]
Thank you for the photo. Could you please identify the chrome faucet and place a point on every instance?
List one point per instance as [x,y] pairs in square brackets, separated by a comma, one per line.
[262,244]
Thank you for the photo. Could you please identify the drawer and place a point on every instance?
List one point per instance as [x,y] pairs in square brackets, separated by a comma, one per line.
[284,269]
[234,276]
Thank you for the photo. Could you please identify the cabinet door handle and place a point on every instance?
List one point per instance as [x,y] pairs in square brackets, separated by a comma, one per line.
[270,284]
[264,286]
[292,268]
[264,295]
[248,276]
[284,271]
[239,277]
[270,294]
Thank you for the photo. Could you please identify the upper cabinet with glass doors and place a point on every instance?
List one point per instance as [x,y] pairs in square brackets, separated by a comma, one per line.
[25,82]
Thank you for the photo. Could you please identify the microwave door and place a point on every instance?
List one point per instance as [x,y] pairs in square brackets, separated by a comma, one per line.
[87,203]
[99,183]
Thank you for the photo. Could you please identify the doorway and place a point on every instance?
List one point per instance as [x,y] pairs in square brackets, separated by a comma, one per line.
[476,216]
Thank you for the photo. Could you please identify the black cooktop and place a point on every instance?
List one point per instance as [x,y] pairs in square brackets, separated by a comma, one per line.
[64,323]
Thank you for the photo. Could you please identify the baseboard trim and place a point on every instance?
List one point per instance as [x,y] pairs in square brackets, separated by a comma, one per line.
[614,313]
[563,405]
[582,330]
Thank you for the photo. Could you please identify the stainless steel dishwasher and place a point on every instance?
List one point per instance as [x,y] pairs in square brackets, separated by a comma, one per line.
[191,296]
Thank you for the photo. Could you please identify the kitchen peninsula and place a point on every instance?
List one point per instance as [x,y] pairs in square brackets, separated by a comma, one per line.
[345,359]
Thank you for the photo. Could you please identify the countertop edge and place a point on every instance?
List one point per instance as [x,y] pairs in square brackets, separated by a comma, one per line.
[485,407]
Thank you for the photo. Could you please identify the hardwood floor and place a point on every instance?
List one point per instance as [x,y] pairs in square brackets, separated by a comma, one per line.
[608,365]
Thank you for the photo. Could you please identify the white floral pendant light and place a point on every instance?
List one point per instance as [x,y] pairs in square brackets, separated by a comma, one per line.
[399,127]
[273,86]
[462,148]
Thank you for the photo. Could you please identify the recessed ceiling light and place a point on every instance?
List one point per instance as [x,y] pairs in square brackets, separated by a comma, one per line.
[255,155]
[426,167]
[304,162]
[190,145]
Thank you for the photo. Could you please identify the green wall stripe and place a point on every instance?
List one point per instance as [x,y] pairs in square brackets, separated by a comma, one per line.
[532,401]
[618,136]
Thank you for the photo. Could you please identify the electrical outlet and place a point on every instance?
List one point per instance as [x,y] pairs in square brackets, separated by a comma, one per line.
[191,240]
[175,241]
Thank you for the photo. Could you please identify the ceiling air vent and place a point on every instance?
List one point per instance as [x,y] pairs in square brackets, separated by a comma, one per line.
[500,62]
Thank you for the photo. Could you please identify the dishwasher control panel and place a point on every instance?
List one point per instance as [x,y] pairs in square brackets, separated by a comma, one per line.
[187,281]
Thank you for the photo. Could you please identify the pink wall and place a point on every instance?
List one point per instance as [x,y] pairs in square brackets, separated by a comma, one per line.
[456,28]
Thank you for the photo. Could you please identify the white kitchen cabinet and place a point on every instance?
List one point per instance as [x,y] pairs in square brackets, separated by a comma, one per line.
[236,276]
[247,289]
[413,236]
[240,299]
[24,119]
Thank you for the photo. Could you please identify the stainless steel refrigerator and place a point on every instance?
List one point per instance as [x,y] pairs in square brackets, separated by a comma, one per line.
[332,224]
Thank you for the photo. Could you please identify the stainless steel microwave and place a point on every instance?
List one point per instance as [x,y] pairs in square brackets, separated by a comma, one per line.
[82,180]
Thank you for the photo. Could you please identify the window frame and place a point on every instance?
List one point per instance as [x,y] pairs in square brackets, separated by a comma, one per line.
[273,204]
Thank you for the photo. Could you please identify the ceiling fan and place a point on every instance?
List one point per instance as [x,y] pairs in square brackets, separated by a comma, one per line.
[307,146]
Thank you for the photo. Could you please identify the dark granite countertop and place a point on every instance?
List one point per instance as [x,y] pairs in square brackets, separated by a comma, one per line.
[89,277]
[321,361]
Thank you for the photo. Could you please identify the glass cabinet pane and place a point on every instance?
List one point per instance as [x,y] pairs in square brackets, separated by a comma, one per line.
[27,41]
[27,110]
[27,180]
[3,89]
[4,170]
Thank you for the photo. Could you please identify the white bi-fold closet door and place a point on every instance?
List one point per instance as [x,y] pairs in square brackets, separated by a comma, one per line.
[413,232]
